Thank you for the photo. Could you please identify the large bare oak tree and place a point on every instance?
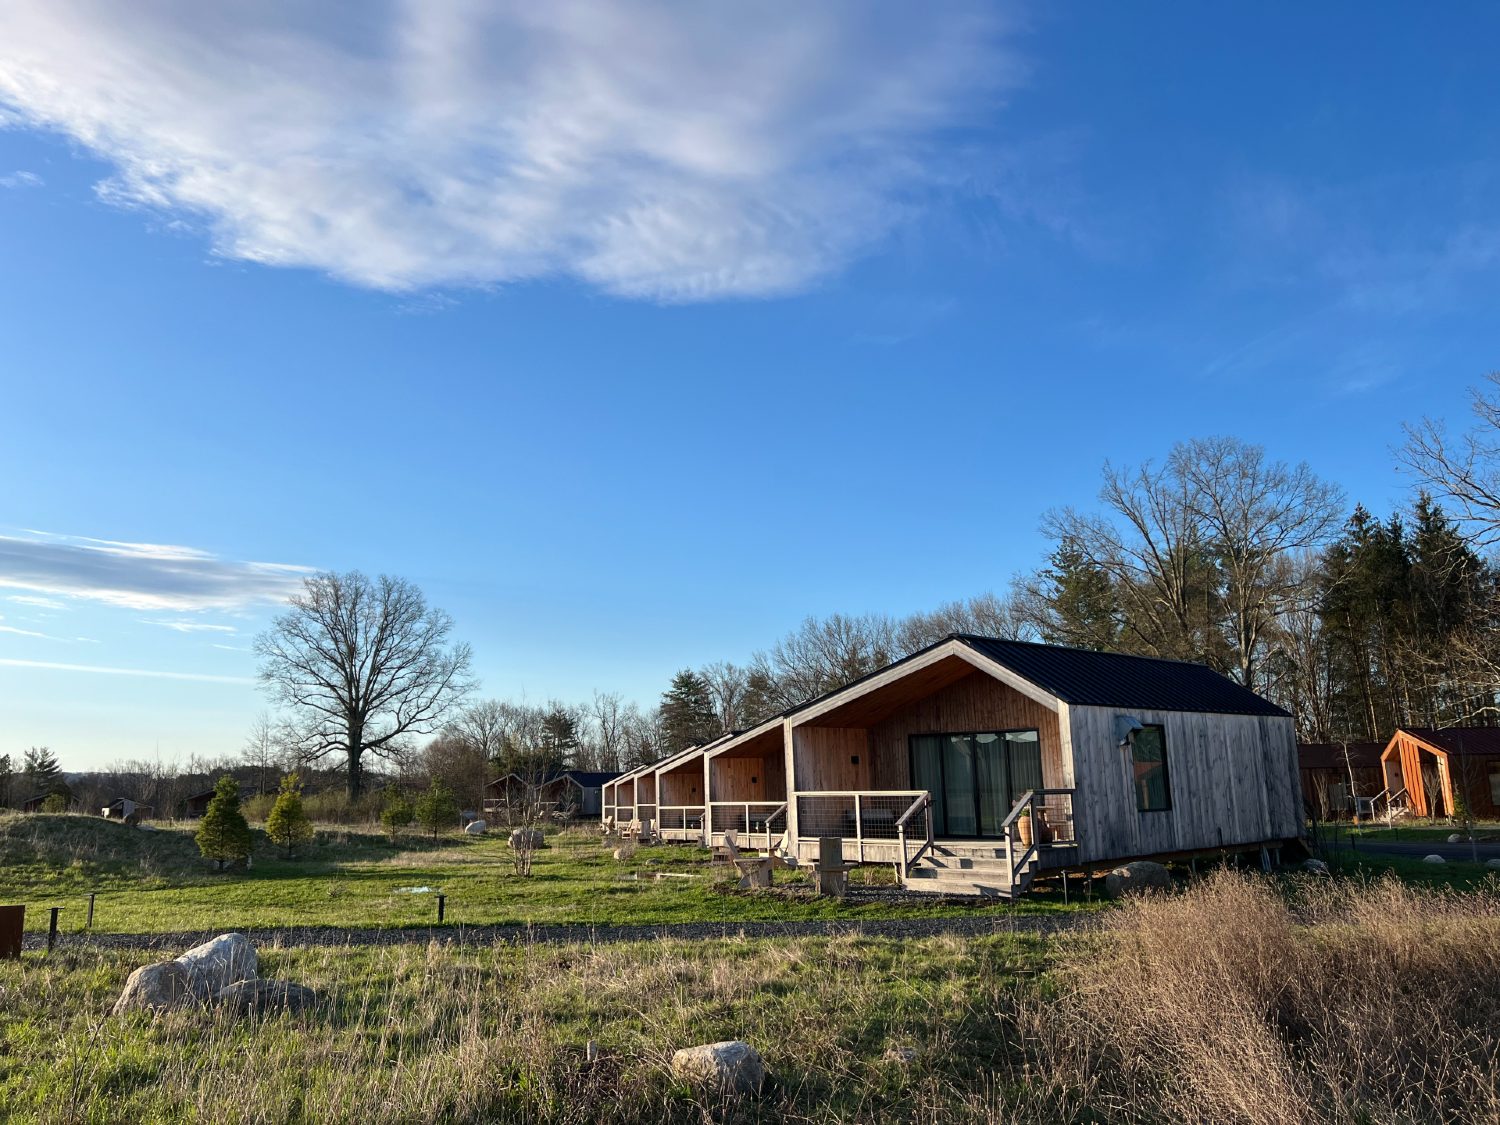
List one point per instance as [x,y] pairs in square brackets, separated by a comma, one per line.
[363,665]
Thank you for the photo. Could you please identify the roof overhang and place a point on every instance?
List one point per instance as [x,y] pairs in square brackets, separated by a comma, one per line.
[752,743]
[870,699]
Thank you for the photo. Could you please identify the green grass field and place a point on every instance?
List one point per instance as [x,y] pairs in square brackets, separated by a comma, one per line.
[148,882]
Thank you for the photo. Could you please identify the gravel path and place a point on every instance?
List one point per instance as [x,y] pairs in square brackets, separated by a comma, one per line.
[976,925]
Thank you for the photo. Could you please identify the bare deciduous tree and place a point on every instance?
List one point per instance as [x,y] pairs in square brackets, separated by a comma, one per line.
[1463,470]
[363,665]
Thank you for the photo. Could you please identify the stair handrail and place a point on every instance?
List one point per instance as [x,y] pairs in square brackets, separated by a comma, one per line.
[1022,807]
[924,802]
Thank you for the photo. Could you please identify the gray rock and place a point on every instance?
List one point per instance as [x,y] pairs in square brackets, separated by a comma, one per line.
[218,963]
[1433,859]
[730,1068]
[260,997]
[527,838]
[475,828]
[1140,877]
[1315,867]
[1455,838]
[903,1055]
[159,988]
[1495,863]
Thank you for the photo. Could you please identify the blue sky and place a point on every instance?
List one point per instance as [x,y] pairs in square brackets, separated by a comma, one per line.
[636,333]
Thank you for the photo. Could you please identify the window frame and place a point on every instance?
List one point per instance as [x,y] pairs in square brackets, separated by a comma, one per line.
[1166,771]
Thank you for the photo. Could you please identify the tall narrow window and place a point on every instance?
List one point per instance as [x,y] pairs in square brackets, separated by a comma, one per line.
[1148,752]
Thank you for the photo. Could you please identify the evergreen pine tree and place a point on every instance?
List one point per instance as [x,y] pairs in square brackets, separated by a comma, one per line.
[43,774]
[398,812]
[437,809]
[223,836]
[688,714]
[288,823]
[1083,609]
[7,780]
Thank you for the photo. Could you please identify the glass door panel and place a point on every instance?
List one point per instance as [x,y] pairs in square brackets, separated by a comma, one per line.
[960,789]
[1024,756]
[990,767]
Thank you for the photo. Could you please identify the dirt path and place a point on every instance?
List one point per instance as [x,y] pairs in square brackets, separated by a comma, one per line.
[457,934]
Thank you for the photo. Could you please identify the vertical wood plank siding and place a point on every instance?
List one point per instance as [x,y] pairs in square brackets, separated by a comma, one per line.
[1233,780]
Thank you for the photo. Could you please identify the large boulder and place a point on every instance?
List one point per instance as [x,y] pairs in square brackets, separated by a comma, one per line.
[1433,859]
[475,828]
[159,988]
[1495,863]
[731,1068]
[528,838]
[1140,877]
[1455,837]
[216,964]
[260,997]
[1315,867]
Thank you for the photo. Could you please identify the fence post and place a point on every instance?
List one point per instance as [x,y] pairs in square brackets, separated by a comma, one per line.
[89,924]
[52,929]
[442,903]
[859,830]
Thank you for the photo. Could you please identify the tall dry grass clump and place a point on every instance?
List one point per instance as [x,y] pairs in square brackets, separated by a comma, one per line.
[1337,1002]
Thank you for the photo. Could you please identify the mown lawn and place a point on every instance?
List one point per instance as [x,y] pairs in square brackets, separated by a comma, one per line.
[148,882]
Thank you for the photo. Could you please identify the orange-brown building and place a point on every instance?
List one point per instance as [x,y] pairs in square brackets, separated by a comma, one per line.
[1435,767]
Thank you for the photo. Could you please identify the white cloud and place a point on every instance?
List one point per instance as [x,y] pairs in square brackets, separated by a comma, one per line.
[36,602]
[148,673]
[192,626]
[21,180]
[18,632]
[140,576]
[658,149]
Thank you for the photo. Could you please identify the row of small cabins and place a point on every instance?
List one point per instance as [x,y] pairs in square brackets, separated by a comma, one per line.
[977,765]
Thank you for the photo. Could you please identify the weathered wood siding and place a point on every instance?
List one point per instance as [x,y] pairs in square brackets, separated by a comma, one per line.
[975,703]
[1233,780]
[832,758]
[748,779]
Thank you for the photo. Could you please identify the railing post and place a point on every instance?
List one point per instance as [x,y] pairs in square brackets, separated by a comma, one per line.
[859,831]
[901,867]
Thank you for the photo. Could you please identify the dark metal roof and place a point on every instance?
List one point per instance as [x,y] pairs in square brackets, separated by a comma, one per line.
[592,779]
[1112,679]
[1330,755]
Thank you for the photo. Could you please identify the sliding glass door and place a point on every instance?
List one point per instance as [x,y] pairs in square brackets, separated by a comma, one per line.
[975,779]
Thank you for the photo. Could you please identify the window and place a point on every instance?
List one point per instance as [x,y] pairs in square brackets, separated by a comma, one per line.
[1495,782]
[1148,752]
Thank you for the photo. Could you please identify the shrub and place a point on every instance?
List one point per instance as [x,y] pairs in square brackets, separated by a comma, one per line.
[398,812]
[288,825]
[223,836]
[55,803]
[437,809]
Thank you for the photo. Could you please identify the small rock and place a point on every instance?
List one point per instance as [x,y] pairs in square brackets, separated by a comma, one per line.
[591,1051]
[1433,859]
[1455,838]
[259,997]
[159,988]
[1495,863]
[732,1068]
[530,838]
[903,1055]
[475,828]
[1139,877]
[1315,867]
[217,964]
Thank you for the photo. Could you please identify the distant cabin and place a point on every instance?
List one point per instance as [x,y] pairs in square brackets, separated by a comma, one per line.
[1340,778]
[196,805]
[1426,770]
[976,765]
[575,792]
[123,808]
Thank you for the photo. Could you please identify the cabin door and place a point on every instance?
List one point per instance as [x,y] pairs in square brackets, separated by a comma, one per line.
[975,779]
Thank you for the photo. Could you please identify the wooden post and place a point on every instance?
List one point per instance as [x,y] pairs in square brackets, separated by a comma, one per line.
[52,929]
[89,924]
[1065,886]
[859,832]
[12,926]
[442,904]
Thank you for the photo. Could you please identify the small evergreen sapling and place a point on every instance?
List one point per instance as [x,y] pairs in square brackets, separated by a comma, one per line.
[223,836]
[398,812]
[437,808]
[288,824]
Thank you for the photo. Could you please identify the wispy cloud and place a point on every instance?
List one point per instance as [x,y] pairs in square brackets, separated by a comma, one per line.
[18,632]
[35,602]
[21,180]
[192,626]
[101,670]
[139,576]
[672,151]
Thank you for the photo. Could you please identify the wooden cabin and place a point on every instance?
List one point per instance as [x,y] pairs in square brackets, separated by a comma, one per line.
[681,811]
[1427,770]
[1340,779]
[977,764]
[123,808]
[568,792]
[620,797]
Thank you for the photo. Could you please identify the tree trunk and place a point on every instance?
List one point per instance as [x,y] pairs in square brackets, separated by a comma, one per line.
[356,771]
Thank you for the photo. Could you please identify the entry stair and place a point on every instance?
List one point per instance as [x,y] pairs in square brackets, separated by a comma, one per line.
[975,870]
